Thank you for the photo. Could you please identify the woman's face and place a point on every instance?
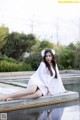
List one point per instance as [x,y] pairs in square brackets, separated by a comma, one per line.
[48,57]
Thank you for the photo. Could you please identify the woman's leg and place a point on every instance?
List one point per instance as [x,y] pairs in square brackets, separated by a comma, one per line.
[37,94]
[20,93]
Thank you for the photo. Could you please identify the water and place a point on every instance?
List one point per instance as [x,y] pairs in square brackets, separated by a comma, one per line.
[64,111]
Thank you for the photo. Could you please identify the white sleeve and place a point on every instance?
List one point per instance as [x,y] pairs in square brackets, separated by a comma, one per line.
[58,74]
[59,78]
[41,73]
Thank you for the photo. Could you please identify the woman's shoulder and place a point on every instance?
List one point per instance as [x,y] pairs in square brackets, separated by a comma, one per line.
[42,63]
[41,66]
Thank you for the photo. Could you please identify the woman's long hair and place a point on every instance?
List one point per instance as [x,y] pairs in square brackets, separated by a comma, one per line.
[53,62]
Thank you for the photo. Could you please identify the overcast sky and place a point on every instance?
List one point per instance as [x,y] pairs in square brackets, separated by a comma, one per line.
[47,19]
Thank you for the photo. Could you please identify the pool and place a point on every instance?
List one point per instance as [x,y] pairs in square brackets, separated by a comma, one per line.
[65,111]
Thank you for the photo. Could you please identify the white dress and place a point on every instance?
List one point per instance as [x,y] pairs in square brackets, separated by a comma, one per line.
[45,82]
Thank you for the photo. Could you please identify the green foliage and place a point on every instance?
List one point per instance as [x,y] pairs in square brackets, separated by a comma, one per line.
[66,58]
[17,44]
[10,67]
[61,67]
[34,60]
[46,44]
[4,31]
[35,48]
[7,59]
[14,45]
[77,59]
[71,46]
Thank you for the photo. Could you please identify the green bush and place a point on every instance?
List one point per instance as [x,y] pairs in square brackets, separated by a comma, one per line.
[6,66]
[66,58]
[60,67]
[34,60]
[7,59]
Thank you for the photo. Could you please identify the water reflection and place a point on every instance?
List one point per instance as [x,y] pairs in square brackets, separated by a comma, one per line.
[55,114]
[61,112]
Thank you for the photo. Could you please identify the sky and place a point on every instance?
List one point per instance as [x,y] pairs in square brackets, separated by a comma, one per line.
[47,19]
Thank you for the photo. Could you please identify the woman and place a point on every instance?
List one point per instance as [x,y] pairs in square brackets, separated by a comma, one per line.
[46,80]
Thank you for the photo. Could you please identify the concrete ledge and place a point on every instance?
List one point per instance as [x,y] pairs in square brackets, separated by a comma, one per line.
[39,102]
[22,73]
[25,73]
[18,84]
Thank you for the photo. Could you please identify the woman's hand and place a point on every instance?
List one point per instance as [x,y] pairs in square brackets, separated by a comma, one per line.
[48,92]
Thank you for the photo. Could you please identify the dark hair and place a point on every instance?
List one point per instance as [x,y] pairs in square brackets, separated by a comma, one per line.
[53,62]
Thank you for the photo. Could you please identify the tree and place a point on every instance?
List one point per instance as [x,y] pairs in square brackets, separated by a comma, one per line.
[71,46]
[66,58]
[34,60]
[77,56]
[46,44]
[17,44]
[4,31]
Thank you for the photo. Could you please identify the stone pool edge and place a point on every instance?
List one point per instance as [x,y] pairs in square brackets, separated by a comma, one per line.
[39,102]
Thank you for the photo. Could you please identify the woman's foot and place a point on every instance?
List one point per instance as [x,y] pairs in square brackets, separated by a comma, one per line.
[9,99]
[3,98]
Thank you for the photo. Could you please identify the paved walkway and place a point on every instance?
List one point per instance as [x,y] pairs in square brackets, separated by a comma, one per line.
[8,89]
